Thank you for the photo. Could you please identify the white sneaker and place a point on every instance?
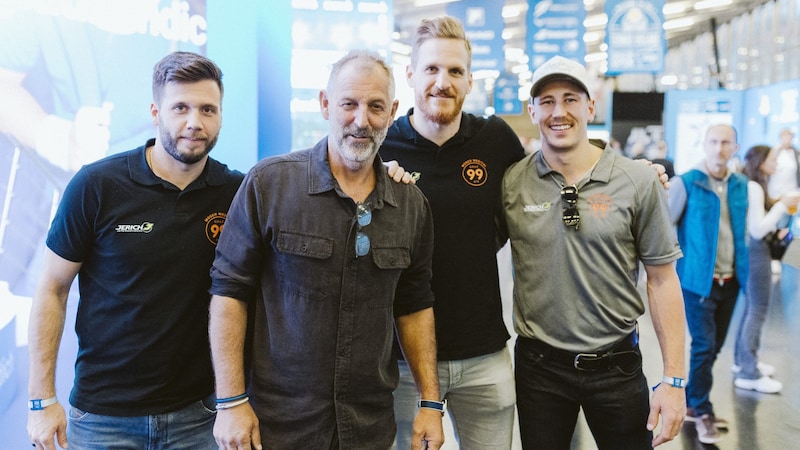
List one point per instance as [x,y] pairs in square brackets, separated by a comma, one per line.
[766,370]
[765,385]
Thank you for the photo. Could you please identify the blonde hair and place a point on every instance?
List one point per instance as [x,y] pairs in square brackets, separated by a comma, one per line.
[444,27]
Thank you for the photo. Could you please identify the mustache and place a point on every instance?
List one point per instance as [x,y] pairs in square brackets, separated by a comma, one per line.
[361,132]
[442,93]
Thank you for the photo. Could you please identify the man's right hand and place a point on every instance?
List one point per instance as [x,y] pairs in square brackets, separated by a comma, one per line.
[44,424]
[237,428]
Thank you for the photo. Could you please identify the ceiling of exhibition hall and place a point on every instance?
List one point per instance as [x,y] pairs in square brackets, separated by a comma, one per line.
[684,19]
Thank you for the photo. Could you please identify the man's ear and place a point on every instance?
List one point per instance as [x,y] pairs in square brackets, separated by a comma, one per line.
[324,104]
[154,113]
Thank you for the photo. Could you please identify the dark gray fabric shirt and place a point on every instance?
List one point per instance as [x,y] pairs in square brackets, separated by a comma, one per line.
[320,361]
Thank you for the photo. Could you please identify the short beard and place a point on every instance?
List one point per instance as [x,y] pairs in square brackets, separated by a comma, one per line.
[439,116]
[365,152]
[171,146]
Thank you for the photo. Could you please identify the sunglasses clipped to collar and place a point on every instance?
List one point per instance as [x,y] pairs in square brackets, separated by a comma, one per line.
[571,216]
[363,218]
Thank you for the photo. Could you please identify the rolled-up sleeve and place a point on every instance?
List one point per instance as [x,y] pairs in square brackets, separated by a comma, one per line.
[239,254]
[414,287]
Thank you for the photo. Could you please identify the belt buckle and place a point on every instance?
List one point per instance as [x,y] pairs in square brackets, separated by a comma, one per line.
[577,361]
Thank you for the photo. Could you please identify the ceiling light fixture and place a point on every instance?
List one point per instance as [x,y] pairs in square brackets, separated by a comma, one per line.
[675,24]
[671,9]
[419,3]
[708,4]
[598,20]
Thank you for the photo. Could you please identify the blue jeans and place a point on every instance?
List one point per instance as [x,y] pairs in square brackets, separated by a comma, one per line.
[480,401]
[189,428]
[550,393]
[759,292]
[708,320]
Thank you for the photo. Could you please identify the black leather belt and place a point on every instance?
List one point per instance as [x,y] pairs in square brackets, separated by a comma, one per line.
[589,361]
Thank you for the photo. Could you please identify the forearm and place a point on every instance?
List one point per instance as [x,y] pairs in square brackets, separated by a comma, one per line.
[46,326]
[227,327]
[668,317]
[417,338]
[44,338]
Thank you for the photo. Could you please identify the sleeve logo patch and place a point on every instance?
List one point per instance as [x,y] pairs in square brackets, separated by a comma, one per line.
[214,224]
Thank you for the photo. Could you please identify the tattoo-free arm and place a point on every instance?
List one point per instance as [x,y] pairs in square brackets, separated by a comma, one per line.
[418,340]
[236,427]
[667,313]
[45,330]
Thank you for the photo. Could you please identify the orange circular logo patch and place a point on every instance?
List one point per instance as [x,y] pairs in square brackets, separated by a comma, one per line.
[474,172]
[599,205]
[214,224]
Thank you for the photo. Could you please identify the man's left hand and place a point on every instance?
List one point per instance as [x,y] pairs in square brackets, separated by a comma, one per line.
[398,173]
[661,171]
[428,432]
[670,403]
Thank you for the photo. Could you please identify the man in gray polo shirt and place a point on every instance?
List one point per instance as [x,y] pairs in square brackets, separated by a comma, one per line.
[580,218]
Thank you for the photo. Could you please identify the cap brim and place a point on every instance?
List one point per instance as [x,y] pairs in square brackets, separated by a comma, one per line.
[537,87]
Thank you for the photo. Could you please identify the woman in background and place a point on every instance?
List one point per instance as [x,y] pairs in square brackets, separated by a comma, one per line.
[763,216]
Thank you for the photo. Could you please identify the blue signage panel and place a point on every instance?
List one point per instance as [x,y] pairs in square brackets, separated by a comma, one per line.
[635,36]
[483,24]
[555,28]
[506,100]
[766,111]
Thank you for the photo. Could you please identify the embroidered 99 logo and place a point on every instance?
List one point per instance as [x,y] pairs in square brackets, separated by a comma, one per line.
[214,225]
[473,171]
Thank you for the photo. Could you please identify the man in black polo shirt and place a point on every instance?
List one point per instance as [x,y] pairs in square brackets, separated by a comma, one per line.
[140,228]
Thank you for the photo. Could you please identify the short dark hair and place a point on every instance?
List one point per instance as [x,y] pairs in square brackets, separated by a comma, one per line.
[184,67]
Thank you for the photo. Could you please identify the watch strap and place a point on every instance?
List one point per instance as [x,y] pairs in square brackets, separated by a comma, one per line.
[432,404]
[674,382]
[40,404]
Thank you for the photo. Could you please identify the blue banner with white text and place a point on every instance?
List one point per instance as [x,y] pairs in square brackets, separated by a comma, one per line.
[635,36]
[555,28]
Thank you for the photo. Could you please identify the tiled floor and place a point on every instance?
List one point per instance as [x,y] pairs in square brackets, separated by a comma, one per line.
[758,421]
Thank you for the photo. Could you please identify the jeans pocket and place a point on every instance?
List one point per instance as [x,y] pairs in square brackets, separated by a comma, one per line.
[209,404]
[627,362]
[526,356]
[77,414]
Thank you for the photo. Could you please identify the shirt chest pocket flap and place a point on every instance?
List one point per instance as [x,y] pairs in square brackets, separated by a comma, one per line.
[391,258]
[304,245]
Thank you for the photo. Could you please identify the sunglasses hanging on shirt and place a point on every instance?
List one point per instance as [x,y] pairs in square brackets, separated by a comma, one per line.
[571,216]
[363,218]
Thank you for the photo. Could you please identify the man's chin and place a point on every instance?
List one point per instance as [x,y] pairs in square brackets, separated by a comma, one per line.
[441,117]
[192,155]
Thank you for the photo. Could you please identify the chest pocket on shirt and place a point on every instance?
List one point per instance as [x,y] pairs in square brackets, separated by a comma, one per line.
[304,245]
[391,258]
[303,262]
[390,262]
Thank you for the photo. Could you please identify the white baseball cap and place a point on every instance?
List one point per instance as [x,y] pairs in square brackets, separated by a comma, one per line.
[560,68]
